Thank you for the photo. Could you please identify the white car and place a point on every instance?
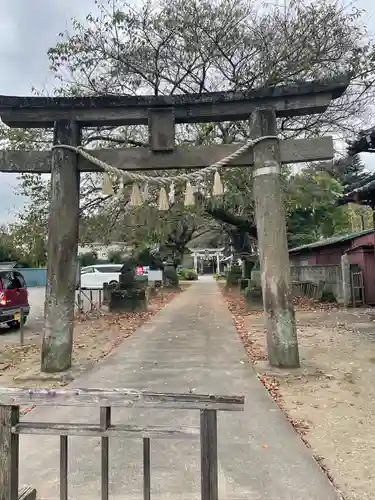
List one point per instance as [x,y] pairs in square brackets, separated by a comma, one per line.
[95,276]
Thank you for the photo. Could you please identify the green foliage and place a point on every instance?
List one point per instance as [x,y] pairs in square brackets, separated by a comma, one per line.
[187,274]
[349,171]
[10,251]
[328,296]
[170,276]
[146,257]
[243,282]
[360,217]
[234,275]
[219,276]
[7,254]
[7,251]
[88,259]
[311,205]
[253,294]
[116,257]
[164,47]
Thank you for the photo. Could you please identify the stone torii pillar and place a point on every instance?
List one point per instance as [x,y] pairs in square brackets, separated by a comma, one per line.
[272,242]
[63,223]
[195,259]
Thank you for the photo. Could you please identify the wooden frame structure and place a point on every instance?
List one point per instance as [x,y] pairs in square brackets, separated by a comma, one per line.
[104,400]
[69,115]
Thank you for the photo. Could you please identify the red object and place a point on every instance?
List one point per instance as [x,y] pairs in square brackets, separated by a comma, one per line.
[139,271]
[358,246]
[13,296]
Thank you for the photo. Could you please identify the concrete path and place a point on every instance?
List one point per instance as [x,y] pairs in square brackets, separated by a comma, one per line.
[190,344]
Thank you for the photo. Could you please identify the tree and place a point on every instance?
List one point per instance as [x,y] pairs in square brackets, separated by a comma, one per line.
[7,251]
[29,231]
[88,259]
[165,47]
[348,170]
[312,211]
[351,173]
[182,46]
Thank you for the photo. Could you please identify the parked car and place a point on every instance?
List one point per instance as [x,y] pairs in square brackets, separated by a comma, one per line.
[13,296]
[95,276]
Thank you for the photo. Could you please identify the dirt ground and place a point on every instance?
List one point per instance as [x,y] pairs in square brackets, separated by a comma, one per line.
[96,335]
[331,399]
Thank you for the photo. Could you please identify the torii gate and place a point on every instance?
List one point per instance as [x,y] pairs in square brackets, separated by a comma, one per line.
[67,116]
[207,253]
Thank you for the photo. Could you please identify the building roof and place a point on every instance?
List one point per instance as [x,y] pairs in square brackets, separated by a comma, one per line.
[364,246]
[331,241]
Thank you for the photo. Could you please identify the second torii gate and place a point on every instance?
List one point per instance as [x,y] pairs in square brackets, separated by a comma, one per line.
[205,254]
[68,116]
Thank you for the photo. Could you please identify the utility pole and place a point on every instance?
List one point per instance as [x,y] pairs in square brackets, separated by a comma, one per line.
[279,313]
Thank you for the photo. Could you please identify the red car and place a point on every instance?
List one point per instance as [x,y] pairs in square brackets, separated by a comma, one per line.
[14,296]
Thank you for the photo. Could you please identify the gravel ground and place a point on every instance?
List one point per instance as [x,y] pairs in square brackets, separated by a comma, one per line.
[331,400]
[34,323]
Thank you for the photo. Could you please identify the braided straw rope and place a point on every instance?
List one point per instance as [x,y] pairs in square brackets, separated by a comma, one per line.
[131,176]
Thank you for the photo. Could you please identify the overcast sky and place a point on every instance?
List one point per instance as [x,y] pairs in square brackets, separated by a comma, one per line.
[27,29]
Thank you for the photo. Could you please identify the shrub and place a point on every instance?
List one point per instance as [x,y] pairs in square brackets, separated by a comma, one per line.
[244,283]
[234,274]
[116,257]
[253,296]
[187,274]
[219,276]
[171,276]
[328,296]
[88,259]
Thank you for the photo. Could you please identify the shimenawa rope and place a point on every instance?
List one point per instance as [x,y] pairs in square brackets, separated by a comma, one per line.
[165,181]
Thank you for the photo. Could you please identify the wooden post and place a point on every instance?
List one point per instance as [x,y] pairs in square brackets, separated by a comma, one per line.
[9,453]
[209,466]
[62,251]
[346,288]
[105,422]
[279,314]
[22,325]
[146,469]
[63,467]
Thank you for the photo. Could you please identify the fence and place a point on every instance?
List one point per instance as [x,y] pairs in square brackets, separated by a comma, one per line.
[327,278]
[105,399]
[89,300]
[308,289]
